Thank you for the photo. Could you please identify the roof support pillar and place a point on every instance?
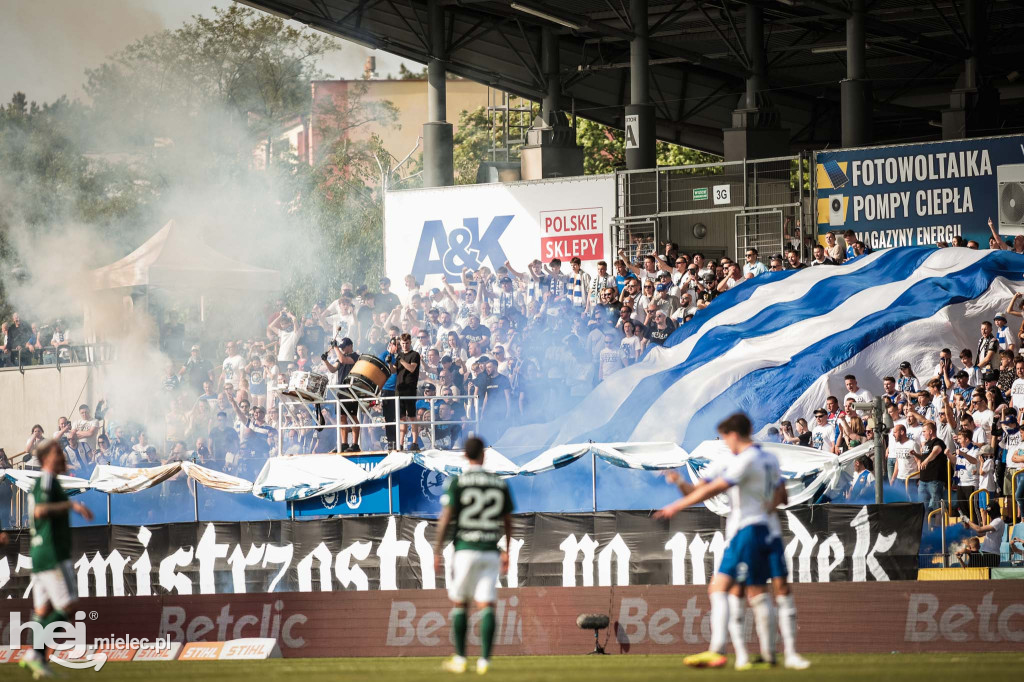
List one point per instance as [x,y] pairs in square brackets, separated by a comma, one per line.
[438,166]
[755,131]
[974,103]
[551,61]
[640,141]
[855,90]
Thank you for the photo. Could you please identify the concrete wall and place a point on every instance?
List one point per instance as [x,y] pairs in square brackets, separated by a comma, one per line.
[41,395]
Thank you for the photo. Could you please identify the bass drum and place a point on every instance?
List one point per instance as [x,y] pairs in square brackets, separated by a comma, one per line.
[369,374]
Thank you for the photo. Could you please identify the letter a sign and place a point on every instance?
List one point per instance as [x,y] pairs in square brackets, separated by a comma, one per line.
[632,131]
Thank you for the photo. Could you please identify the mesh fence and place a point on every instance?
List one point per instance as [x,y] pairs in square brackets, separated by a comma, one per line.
[718,209]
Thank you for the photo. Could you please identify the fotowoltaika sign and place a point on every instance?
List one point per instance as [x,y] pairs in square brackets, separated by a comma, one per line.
[909,195]
[439,231]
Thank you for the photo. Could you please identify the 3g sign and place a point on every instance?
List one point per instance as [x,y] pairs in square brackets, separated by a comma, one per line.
[463,247]
[721,194]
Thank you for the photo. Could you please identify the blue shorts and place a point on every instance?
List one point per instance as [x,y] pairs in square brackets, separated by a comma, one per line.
[746,558]
[777,559]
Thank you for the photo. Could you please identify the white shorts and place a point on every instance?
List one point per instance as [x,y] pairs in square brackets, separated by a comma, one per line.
[55,587]
[475,576]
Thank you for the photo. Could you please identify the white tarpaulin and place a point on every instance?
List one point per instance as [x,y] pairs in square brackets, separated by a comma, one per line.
[216,480]
[296,477]
[303,476]
[24,479]
[646,456]
[807,471]
[126,480]
[111,479]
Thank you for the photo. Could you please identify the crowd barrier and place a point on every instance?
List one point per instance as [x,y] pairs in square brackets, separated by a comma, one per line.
[291,480]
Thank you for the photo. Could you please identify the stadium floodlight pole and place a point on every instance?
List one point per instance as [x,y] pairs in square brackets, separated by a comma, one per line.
[880,430]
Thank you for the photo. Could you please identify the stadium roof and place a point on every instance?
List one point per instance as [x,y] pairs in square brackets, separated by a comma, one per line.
[915,55]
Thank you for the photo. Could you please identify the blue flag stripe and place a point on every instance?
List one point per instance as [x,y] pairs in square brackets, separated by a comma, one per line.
[767,393]
[890,267]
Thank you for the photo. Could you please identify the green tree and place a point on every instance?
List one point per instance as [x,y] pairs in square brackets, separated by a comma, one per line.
[472,141]
[204,93]
[405,74]
[49,181]
[173,123]
[604,148]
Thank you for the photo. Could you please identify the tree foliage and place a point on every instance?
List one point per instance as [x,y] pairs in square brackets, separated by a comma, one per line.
[407,74]
[472,141]
[173,124]
[604,148]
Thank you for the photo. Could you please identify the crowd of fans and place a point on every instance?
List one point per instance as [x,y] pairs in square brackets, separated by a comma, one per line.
[955,428]
[500,348]
[24,343]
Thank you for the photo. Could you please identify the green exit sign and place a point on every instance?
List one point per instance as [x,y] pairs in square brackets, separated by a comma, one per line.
[700,193]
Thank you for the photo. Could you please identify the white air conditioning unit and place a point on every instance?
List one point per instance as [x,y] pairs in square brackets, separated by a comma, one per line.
[1010,184]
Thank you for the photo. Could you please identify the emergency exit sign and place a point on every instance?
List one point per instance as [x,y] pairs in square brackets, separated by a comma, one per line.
[700,193]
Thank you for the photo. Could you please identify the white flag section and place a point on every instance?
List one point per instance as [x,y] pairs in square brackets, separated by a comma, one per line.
[808,472]
[297,477]
[111,479]
[778,345]
[122,480]
[302,476]
[25,479]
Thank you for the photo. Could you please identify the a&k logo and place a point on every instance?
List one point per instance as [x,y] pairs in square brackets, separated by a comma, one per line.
[441,252]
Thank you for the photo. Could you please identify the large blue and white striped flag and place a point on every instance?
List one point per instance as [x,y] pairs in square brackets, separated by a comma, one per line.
[777,346]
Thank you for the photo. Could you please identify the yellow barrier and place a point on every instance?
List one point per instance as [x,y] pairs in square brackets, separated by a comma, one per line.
[1013,495]
[952,574]
[932,513]
[949,487]
[906,481]
[970,503]
[1013,502]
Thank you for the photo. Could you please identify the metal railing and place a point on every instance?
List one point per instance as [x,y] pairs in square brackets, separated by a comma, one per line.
[57,356]
[708,207]
[932,513]
[361,413]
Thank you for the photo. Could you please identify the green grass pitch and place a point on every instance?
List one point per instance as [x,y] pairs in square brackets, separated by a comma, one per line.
[840,667]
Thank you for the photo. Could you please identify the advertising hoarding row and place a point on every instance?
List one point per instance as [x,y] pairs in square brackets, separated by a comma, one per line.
[435,232]
[915,194]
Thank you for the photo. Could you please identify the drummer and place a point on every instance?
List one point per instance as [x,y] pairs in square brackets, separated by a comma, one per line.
[407,368]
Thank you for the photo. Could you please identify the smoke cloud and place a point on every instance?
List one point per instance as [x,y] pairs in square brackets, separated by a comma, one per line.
[198,170]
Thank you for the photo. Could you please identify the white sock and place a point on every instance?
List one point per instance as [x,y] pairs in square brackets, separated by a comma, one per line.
[736,612]
[719,621]
[787,623]
[764,621]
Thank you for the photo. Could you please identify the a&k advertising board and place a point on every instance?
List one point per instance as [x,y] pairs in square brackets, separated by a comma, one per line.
[439,231]
[909,195]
